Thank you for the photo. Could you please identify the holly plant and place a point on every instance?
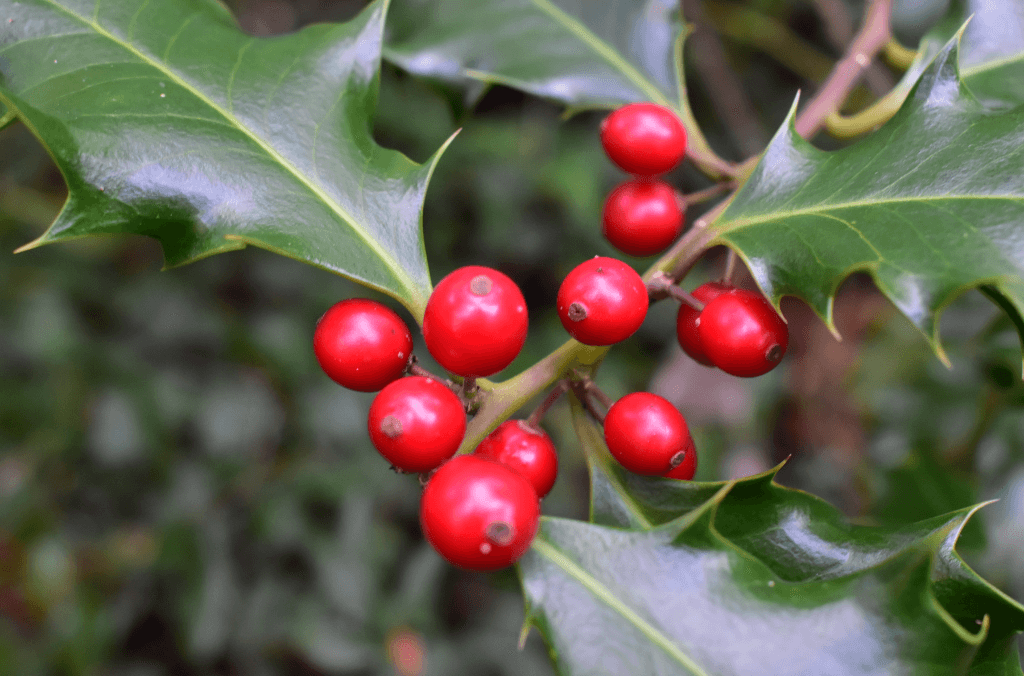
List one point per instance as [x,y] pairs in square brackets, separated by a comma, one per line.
[165,119]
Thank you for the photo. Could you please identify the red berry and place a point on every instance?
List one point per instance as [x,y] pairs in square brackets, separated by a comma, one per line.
[602,301]
[688,467]
[416,423]
[642,217]
[361,344]
[644,139]
[647,434]
[479,514]
[475,321]
[527,450]
[686,321]
[742,334]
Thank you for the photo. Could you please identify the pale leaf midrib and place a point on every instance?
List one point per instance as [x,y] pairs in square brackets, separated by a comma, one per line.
[397,270]
[599,47]
[549,551]
[818,209]
[986,66]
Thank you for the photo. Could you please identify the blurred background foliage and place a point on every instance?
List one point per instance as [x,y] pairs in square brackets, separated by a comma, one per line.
[182,491]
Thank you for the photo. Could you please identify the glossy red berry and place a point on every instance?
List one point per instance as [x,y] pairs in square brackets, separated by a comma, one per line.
[647,434]
[644,139]
[602,301]
[475,321]
[527,450]
[686,321]
[742,334]
[479,514]
[361,344]
[642,217]
[416,423]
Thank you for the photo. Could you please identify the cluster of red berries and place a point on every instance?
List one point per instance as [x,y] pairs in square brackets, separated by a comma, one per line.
[482,510]
[643,216]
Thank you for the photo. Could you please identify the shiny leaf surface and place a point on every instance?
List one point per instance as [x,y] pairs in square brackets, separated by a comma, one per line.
[167,120]
[578,52]
[930,205]
[992,50]
[748,577]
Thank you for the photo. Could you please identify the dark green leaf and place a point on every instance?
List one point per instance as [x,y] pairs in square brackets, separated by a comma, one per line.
[748,577]
[579,52]
[931,204]
[167,120]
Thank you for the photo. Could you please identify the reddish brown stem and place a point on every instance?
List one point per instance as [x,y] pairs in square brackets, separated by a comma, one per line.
[662,286]
[873,36]
[538,413]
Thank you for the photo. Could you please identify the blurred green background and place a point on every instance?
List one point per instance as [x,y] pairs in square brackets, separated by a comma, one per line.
[182,491]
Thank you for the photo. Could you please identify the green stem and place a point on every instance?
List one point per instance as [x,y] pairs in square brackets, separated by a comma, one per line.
[507,397]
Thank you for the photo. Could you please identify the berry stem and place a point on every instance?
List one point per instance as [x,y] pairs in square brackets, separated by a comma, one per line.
[730,268]
[538,413]
[582,393]
[413,368]
[661,286]
[686,199]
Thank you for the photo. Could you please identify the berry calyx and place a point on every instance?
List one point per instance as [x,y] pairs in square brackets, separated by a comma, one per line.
[686,321]
[642,217]
[602,301]
[475,321]
[416,423]
[525,449]
[644,139]
[687,466]
[479,514]
[361,344]
[742,334]
[648,435]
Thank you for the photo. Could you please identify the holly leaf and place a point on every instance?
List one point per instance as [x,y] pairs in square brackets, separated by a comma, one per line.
[749,577]
[581,53]
[930,205]
[167,120]
[992,48]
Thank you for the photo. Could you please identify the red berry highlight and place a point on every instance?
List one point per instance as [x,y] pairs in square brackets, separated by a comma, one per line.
[648,435]
[602,301]
[742,334]
[361,344]
[686,321]
[475,321]
[479,514]
[644,139]
[416,423]
[642,217]
[527,450]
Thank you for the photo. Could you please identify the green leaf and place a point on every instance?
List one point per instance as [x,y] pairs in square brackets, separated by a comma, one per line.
[167,120]
[992,49]
[582,53]
[748,577]
[930,205]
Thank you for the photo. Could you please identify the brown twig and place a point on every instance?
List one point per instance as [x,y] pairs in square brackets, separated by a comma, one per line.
[873,36]
[838,24]
[730,101]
